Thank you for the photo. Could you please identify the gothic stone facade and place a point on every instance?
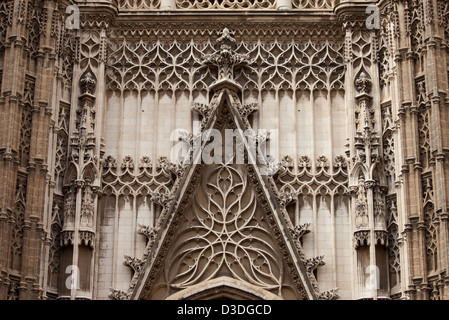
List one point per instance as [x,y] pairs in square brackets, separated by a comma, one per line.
[93,206]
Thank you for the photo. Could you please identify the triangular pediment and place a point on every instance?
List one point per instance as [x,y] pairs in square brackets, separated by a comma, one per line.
[224,220]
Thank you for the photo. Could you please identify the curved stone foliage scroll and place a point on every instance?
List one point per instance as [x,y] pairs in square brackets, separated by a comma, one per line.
[6,12]
[138,4]
[176,65]
[144,181]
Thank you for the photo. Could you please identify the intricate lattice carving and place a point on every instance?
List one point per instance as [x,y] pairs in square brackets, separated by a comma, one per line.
[87,238]
[177,65]
[315,4]
[381,237]
[393,238]
[226,233]
[313,263]
[138,4]
[361,238]
[17,237]
[329,295]
[35,19]
[430,12]
[226,4]
[389,30]
[149,232]
[431,238]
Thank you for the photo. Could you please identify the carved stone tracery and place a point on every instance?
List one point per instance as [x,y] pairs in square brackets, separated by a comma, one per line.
[138,4]
[177,66]
[226,4]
